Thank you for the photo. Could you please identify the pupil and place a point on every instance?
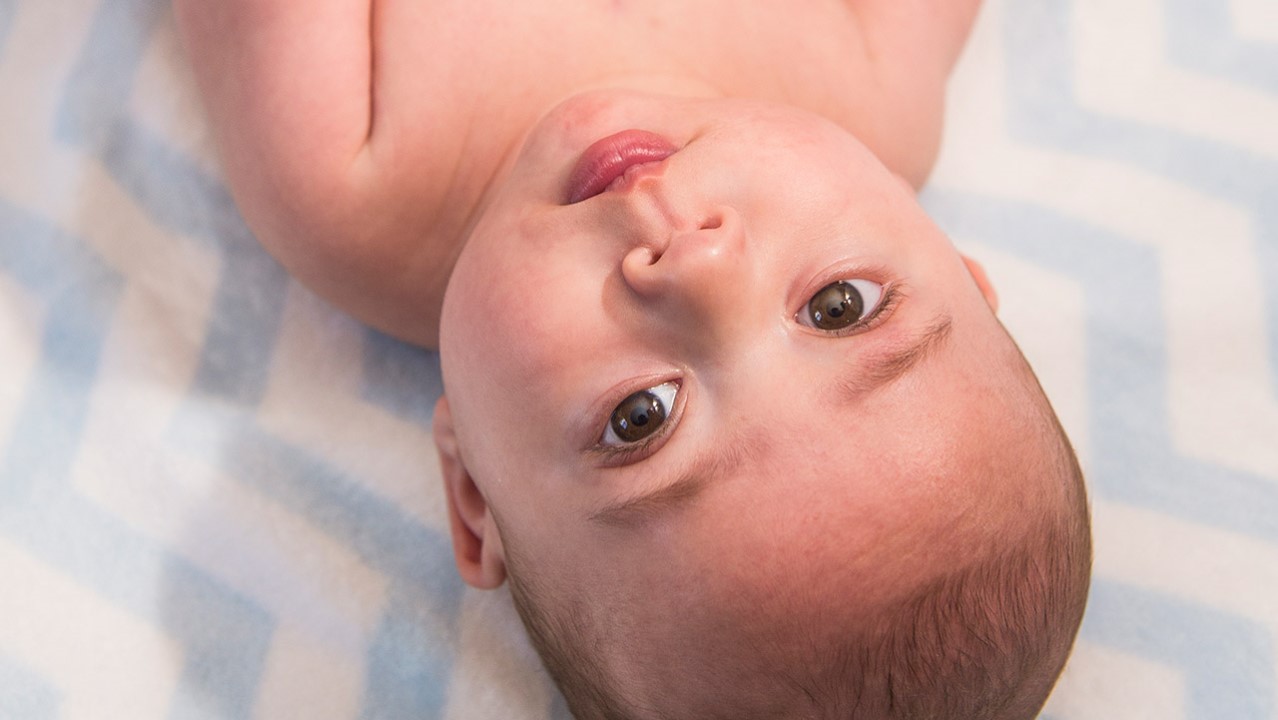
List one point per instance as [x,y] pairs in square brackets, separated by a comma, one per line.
[638,416]
[837,305]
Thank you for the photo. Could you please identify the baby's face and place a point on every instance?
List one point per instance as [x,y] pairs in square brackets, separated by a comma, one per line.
[674,435]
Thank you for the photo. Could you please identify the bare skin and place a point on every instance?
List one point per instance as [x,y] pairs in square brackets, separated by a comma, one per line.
[409,160]
[362,139]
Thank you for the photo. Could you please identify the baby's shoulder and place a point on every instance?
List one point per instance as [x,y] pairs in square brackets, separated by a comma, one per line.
[922,34]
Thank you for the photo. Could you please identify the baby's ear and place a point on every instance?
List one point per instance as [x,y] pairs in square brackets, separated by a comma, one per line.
[982,281]
[476,543]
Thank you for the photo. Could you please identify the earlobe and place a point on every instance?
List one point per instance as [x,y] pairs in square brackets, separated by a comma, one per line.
[477,546]
[982,281]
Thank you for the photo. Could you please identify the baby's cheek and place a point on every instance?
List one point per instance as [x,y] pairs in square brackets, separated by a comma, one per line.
[516,331]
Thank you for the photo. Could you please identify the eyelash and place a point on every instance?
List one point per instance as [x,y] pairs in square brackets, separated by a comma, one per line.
[618,455]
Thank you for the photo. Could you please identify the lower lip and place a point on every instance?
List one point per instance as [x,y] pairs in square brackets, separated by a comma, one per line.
[608,159]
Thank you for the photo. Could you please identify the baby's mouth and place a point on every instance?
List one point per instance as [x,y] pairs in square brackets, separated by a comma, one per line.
[614,162]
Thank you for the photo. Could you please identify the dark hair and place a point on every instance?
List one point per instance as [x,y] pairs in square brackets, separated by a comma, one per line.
[559,638]
[983,641]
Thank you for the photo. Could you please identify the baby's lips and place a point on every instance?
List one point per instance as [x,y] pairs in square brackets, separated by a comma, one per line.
[608,159]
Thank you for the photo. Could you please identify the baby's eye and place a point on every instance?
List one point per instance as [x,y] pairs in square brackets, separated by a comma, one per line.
[640,415]
[842,304]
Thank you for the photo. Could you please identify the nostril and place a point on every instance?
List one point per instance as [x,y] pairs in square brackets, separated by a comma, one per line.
[712,223]
[646,255]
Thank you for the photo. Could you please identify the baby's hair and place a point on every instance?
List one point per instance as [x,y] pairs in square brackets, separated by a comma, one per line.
[984,641]
[558,638]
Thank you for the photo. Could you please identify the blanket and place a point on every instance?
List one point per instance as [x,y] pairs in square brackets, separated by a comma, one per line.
[219,497]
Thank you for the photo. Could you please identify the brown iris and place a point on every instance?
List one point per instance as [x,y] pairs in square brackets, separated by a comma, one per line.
[836,306]
[638,416]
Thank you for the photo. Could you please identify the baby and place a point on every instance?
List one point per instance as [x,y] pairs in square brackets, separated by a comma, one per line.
[732,415]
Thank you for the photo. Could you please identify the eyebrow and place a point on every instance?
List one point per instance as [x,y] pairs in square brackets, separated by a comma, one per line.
[896,363]
[705,469]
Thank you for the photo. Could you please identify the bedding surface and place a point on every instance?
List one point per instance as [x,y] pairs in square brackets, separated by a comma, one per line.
[219,497]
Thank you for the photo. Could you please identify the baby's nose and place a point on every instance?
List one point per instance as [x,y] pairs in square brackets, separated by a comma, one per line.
[700,277]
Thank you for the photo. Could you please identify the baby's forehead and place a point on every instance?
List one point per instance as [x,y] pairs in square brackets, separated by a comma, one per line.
[887,472]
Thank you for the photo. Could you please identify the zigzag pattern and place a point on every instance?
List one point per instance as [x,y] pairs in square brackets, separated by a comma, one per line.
[181,537]
[1128,150]
[227,625]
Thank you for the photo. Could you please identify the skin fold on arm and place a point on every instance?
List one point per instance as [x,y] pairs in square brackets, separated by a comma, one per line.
[311,103]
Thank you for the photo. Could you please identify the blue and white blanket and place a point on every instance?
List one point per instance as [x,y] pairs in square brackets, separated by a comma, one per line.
[219,498]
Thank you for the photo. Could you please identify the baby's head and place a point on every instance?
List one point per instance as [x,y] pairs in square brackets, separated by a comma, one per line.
[746,436]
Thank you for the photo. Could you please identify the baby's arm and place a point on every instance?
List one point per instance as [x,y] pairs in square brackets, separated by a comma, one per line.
[933,32]
[306,99]
[912,46]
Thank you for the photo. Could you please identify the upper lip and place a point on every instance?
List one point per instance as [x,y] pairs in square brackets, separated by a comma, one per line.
[609,158]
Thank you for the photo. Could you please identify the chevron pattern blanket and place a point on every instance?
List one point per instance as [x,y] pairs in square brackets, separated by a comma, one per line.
[218,497]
